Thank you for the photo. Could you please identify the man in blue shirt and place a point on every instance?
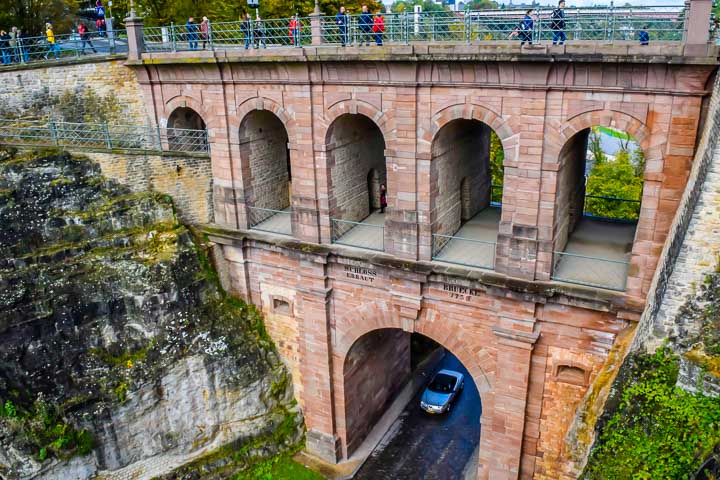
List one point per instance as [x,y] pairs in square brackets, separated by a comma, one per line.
[644,36]
[366,22]
[557,24]
[341,20]
[192,33]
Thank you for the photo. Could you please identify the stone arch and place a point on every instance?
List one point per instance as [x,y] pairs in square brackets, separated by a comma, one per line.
[473,111]
[184,123]
[182,101]
[353,106]
[262,103]
[379,314]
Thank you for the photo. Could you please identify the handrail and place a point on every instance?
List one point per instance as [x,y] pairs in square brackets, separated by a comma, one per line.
[25,50]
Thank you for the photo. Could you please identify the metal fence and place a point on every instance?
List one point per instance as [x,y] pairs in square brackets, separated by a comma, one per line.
[463,251]
[358,234]
[605,24]
[102,136]
[590,271]
[269,220]
[38,49]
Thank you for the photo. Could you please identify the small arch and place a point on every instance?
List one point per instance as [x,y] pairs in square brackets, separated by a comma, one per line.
[183,125]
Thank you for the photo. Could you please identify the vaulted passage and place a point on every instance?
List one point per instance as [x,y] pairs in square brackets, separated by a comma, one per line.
[265,158]
[379,381]
[597,206]
[355,150]
[188,131]
[465,209]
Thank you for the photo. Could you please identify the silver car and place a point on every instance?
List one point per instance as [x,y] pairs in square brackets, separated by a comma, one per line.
[445,386]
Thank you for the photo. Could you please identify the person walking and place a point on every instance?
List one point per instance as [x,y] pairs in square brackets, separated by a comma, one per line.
[366,23]
[383,198]
[5,47]
[247,29]
[50,37]
[23,52]
[644,36]
[205,31]
[259,32]
[192,33]
[524,31]
[85,37]
[100,26]
[341,20]
[379,28]
[295,28]
[557,24]
[12,43]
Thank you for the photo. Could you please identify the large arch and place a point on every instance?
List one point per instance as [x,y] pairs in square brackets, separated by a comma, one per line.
[462,221]
[183,123]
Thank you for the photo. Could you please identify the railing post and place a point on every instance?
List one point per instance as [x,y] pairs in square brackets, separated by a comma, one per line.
[538,30]
[468,27]
[135,37]
[107,136]
[407,28]
[159,139]
[316,25]
[53,132]
[172,37]
[210,36]
[611,26]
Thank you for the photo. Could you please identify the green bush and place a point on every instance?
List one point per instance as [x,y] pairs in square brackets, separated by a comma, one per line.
[659,431]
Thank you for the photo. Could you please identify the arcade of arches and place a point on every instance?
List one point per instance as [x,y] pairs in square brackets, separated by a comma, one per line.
[312,141]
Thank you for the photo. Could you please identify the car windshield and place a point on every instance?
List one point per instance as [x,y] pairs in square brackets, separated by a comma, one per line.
[442,383]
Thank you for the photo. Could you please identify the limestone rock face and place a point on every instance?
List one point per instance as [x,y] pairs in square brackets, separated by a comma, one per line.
[119,355]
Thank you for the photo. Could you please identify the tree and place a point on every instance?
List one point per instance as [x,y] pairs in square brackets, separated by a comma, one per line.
[407,6]
[31,15]
[617,179]
[497,156]
[595,147]
[482,5]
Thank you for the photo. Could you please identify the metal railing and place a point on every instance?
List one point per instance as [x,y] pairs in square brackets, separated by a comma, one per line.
[358,234]
[604,24]
[37,49]
[463,251]
[612,208]
[102,136]
[269,220]
[590,271]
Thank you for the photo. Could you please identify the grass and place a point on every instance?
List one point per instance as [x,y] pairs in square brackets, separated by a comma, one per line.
[282,467]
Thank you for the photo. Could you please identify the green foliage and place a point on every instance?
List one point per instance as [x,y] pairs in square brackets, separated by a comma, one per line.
[278,468]
[482,5]
[616,179]
[497,171]
[31,15]
[44,430]
[658,430]
[407,6]
[595,147]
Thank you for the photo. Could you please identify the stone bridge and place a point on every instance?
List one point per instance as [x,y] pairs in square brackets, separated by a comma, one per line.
[534,297]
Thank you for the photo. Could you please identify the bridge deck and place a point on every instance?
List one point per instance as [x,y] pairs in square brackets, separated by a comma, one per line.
[475,242]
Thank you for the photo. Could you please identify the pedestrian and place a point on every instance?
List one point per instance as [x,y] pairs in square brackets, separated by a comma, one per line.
[23,52]
[383,197]
[644,36]
[100,26]
[259,33]
[205,31]
[99,10]
[13,45]
[378,28]
[295,29]
[524,30]
[50,37]
[247,29]
[192,33]
[85,37]
[5,47]
[366,22]
[557,24]
[341,20]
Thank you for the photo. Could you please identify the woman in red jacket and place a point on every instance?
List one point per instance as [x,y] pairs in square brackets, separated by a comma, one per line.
[378,28]
[295,28]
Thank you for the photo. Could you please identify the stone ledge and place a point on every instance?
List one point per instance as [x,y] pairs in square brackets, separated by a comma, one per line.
[63,62]
[494,51]
[493,283]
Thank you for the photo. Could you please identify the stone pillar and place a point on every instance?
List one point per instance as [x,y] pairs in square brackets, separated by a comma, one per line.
[316,25]
[501,446]
[134,27]
[313,317]
[697,25]
[237,269]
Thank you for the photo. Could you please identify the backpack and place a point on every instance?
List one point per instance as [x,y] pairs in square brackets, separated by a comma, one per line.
[379,26]
[557,22]
[100,11]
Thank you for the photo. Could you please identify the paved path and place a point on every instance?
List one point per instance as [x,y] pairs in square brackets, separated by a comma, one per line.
[422,446]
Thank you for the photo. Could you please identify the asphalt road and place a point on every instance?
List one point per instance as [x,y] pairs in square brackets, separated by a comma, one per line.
[424,446]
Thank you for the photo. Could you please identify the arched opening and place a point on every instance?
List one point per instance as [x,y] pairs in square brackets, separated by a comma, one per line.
[186,131]
[597,206]
[356,157]
[465,193]
[385,376]
[265,157]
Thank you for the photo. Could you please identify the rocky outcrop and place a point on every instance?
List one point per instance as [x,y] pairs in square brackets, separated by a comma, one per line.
[120,357]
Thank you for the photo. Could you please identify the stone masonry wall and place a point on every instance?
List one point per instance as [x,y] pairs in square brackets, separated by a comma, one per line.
[66,90]
[694,240]
[377,366]
[460,153]
[571,191]
[354,148]
[263,142]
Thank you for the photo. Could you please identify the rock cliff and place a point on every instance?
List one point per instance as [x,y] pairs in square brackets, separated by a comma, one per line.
[120,357]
